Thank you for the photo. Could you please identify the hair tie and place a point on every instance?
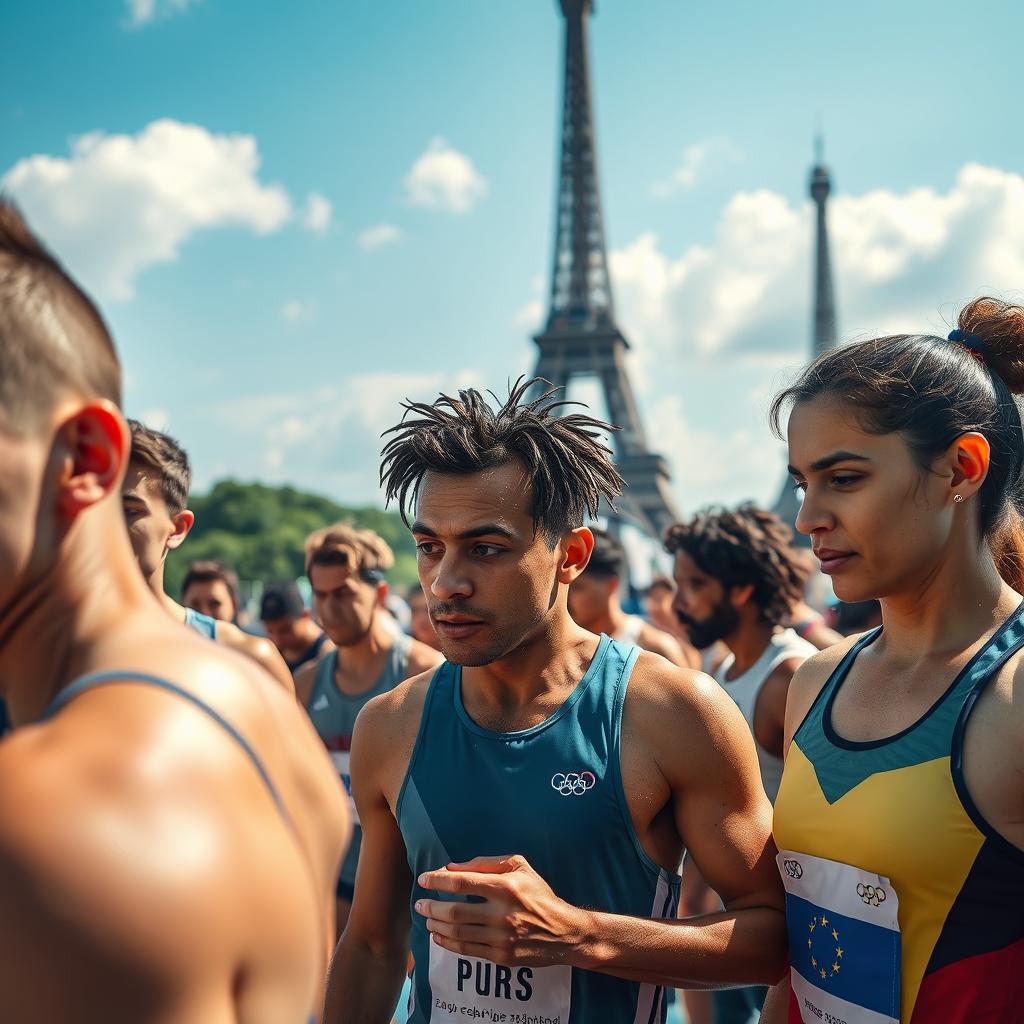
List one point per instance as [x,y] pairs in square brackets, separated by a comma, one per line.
[971,342]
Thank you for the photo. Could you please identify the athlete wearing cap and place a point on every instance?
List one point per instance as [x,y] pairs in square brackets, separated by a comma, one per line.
[541,767]
[900,818]
[290,626]
[169,827]
[154,497]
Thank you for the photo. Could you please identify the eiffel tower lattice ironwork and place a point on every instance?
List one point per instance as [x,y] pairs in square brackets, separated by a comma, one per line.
[581,338]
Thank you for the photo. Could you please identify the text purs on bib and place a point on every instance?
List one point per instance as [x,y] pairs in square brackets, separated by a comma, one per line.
[466,988]
[844,941]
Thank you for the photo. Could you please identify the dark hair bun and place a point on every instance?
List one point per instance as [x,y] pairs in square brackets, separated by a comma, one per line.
[1000,326]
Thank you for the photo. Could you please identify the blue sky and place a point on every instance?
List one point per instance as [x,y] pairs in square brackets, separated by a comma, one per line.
[293,215]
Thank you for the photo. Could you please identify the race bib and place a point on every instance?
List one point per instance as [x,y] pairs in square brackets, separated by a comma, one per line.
[464,988]
[844,941]
[341,761]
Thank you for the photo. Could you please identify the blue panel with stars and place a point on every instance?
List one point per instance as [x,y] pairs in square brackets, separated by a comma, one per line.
[851,959]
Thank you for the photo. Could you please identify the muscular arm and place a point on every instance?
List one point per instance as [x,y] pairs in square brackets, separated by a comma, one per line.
[262,651]
[370,961]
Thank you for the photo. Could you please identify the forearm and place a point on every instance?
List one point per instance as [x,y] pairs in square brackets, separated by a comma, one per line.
[737,947]
[363,985]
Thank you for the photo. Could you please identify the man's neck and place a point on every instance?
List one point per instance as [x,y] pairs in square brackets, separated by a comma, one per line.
[360,659]
[747,644]
[63,626]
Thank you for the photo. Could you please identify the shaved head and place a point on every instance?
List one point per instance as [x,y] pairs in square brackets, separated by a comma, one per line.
[53,340]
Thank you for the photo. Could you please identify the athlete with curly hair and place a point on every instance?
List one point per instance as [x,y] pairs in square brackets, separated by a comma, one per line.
[541,769]
[737,578]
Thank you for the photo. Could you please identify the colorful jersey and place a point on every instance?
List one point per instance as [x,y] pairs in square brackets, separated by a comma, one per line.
[204,625]
[333,714]
[903,903]
[554,794]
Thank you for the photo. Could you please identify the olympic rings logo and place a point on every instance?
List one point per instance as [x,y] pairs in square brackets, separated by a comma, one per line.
[573,783]
[793,868]
[871,895]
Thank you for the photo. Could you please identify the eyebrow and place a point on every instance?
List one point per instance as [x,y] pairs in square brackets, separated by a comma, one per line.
[827,461]
[132,496]
[486,530]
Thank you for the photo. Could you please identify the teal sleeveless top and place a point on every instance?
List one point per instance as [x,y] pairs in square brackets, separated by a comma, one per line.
[202,624]
[334,713]
[554,794]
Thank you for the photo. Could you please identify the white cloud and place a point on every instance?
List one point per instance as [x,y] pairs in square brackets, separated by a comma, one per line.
[443,178]
[142,12]
[156,419]
[295,311]
[378,235]
[318,212]
[898,259]
[695,159]
[122,203]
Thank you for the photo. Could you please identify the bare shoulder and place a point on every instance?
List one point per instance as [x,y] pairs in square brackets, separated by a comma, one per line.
[385,735]
[422,658]
[305,679]
[259,648]
[657,641]
[809,679]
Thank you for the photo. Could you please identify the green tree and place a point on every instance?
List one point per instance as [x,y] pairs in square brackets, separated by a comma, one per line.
[259,531]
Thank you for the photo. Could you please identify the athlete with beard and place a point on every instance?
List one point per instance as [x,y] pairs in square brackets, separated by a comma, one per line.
[346,568]
[737,578]
[169,828]
[900,818]
[541,769]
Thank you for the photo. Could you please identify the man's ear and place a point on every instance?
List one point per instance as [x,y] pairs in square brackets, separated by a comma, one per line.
[183,523]
[741,595]
[382,593]
[575,549]
[95,444]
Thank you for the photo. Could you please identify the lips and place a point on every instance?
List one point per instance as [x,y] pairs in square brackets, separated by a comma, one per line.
[832,560]
[457,627]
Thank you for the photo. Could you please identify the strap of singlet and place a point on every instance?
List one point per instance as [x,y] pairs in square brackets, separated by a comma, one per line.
[90,682]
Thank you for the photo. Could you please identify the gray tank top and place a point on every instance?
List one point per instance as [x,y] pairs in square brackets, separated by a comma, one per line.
[334,713]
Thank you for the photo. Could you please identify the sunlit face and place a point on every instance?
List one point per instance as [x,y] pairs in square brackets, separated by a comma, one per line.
[152,529]
[878,524]
[490,578]
[211,597]
[701,604]
[420,625]
[590,599]
[345,603]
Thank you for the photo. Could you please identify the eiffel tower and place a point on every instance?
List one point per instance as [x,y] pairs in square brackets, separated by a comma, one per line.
[581,337]
[824,336]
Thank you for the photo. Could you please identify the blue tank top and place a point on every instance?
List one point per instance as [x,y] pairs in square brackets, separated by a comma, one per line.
[554,794]
[202,624]
[90,682]
[334,714]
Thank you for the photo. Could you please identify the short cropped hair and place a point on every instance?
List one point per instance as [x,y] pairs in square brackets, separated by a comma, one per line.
[608,559]
[52,338]
[164,456]
[209,571]
[745,546]
[281,599]
[570,468]
[359,551]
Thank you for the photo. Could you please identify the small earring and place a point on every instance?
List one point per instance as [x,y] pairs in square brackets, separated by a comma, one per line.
[958,498]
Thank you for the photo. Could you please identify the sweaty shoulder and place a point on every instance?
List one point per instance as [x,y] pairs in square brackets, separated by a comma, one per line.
[808,680]
[386,731]
[261,650]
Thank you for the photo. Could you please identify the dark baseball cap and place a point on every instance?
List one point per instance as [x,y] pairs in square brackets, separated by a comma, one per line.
[281,600]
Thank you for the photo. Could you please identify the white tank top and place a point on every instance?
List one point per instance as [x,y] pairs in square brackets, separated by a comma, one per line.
[746,688]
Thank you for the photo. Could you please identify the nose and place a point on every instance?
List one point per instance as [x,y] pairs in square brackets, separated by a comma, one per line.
[450,580]
[813,514]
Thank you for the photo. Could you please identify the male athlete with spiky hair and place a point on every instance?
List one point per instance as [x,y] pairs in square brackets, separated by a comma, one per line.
[170,829]
[525,805]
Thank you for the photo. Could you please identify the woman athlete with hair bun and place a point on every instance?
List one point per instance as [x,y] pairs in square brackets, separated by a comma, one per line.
[900,818]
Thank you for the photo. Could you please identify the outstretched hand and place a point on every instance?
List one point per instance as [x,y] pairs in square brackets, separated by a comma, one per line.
[520,922]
